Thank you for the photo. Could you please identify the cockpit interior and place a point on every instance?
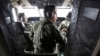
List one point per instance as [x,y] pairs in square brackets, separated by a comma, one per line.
[77,20]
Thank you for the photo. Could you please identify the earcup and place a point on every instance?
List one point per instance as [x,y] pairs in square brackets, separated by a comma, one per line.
[48,14]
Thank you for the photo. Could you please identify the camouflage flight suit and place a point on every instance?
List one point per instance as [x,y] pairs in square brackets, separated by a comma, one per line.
[45,35]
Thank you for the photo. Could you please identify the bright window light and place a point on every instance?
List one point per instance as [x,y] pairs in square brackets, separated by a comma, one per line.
[31,13]
[14,14]
[62,12]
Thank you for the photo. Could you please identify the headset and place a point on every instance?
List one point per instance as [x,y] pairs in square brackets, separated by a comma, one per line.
[48,9]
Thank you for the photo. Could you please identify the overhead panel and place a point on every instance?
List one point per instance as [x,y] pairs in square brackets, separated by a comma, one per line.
[41,3]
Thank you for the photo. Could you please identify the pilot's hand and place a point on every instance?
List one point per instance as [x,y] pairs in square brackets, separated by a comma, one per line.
[64,30]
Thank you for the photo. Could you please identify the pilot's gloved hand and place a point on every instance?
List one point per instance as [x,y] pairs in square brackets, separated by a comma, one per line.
[64,30]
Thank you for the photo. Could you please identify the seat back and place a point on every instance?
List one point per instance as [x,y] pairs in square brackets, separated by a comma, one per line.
[19,28]
[4,51]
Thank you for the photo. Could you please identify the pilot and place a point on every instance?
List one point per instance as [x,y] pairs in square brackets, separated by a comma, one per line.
[24,22]
[45,34]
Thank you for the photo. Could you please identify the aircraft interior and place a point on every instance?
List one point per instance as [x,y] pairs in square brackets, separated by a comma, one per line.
[17,17]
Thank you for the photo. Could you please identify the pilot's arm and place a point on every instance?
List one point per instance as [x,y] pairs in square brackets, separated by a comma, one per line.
[60,39]
[31,35]
[58,36]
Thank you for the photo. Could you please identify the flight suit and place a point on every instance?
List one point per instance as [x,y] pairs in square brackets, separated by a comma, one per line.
[45,35]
